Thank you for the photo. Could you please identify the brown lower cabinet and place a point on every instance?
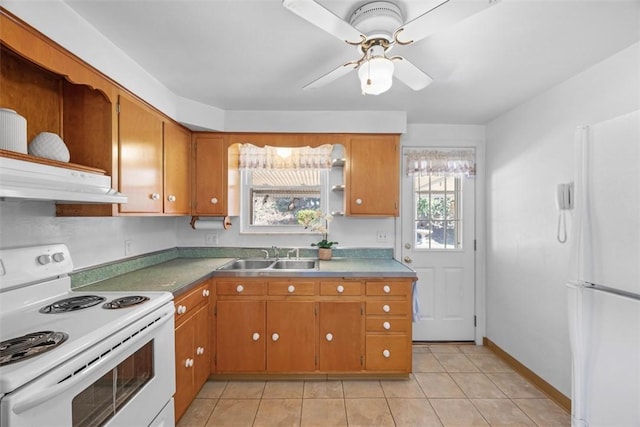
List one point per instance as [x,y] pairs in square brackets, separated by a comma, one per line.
[291,326]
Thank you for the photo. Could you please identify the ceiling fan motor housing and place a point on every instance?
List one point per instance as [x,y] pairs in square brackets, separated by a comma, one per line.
[377,19]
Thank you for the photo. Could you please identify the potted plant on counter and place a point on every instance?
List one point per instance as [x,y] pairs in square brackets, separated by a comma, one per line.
[315,220]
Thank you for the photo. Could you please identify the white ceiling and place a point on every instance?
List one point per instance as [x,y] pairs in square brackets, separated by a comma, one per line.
[256,55]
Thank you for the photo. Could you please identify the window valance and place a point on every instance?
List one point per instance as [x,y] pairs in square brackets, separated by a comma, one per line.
[441,162]
[267,157]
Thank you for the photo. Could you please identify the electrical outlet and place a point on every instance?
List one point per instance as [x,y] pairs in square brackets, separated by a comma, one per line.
[381,236]
[127,247]
[211,239]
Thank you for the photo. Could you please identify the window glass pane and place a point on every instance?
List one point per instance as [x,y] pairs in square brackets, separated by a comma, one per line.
[280,206]
[437,212]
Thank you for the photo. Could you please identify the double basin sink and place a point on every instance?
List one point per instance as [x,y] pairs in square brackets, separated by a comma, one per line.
[255,264]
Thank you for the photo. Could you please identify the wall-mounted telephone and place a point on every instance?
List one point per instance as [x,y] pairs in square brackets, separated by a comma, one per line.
[564,201]
[564,196]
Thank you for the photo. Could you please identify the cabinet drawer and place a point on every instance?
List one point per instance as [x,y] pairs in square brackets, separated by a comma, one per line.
[240,287]
[292,288]
[340,288]
[185,304]
[387,324]
[388,288]
[388,353]
[387,307]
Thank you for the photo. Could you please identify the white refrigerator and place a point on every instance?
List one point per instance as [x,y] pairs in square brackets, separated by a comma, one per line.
[604,290]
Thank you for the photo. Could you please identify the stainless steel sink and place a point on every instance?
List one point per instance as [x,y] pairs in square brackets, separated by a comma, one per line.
[294,264]
[269,264]
[247,264]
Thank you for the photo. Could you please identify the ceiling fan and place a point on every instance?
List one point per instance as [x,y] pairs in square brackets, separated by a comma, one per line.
[374,28]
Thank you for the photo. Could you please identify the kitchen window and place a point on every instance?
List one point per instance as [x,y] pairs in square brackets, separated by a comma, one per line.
[278,182]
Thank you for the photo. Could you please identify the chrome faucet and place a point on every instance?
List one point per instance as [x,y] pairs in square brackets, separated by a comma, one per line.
[265,252]
[276,251]
[297,252]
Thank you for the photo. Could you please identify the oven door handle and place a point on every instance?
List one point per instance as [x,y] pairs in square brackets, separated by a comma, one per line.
[42,396]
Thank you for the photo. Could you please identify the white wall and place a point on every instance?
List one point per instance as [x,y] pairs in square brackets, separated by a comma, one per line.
[91,241]
[529,151]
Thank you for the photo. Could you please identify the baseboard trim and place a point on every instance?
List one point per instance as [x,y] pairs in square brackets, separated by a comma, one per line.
[550,391]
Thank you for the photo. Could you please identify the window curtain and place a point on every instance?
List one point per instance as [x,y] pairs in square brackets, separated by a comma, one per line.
[254,157]
[441,162]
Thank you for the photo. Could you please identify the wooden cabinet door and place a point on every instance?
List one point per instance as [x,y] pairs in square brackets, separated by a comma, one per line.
[140,139]
[210,176]
[240,336]
[341,336]
[184,373]
[177,151]
[373,175]
[201,348]
[291,336]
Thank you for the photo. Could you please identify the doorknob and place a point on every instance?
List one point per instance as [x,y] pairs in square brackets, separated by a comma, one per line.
[408,260]
[407,245]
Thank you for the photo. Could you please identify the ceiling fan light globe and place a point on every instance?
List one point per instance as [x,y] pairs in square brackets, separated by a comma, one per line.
[376,76]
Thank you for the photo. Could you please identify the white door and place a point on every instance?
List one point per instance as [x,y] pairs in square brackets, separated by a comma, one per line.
[438,217]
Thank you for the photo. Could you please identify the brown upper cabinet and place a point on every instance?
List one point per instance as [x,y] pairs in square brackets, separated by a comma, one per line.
[372,175]
[177,151]
[210,175]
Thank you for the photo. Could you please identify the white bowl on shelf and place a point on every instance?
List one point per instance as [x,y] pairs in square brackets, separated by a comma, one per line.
[13,131]
[49,146]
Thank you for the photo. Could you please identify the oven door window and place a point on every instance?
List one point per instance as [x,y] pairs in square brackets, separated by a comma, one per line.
[100,401]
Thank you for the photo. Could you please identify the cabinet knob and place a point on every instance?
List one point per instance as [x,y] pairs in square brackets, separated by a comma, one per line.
[154,196]
[188,363]
[239,288]
[291,289]
[214,200]
[358,201]
[275,336]
[255,336]
[205,292]
[171,198]
[329,336]
[386,289]
[386,308]
[386,325]
[200,351]
[386,353]
[181,309]
[340,289]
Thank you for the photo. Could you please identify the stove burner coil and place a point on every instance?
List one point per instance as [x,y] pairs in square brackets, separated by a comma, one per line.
[72,304]
[125,302]
[26,346]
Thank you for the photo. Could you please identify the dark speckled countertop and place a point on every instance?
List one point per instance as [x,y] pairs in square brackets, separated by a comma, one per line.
[180,274]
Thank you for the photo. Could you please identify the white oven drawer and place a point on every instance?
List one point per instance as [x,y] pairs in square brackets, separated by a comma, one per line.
[76,390]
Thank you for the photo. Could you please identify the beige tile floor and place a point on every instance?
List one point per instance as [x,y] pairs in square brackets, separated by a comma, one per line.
[451,385]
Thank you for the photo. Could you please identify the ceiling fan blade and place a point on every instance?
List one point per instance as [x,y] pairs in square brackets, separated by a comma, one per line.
[332,75]
[442,14]
[324,19]
[409,74]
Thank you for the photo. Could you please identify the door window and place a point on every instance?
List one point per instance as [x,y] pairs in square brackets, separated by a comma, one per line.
[437,213]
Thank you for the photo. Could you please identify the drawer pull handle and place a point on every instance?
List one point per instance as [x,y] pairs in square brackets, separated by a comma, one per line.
[181,309]
[188,363]
[329,336]
[275,336]
[239,288]
[214,200]
[386,308]
[205,292]
[386,325]
[386,289]
[154,196]
[358,202]
[200,351]
[386,353]
[340,289]
[291,289]
[171,198]
[255,336]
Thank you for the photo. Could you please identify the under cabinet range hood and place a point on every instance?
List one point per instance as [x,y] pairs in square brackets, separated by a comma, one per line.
[27,180]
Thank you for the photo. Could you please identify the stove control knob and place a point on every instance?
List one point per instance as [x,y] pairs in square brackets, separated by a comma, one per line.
[58,257]
[44,259]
